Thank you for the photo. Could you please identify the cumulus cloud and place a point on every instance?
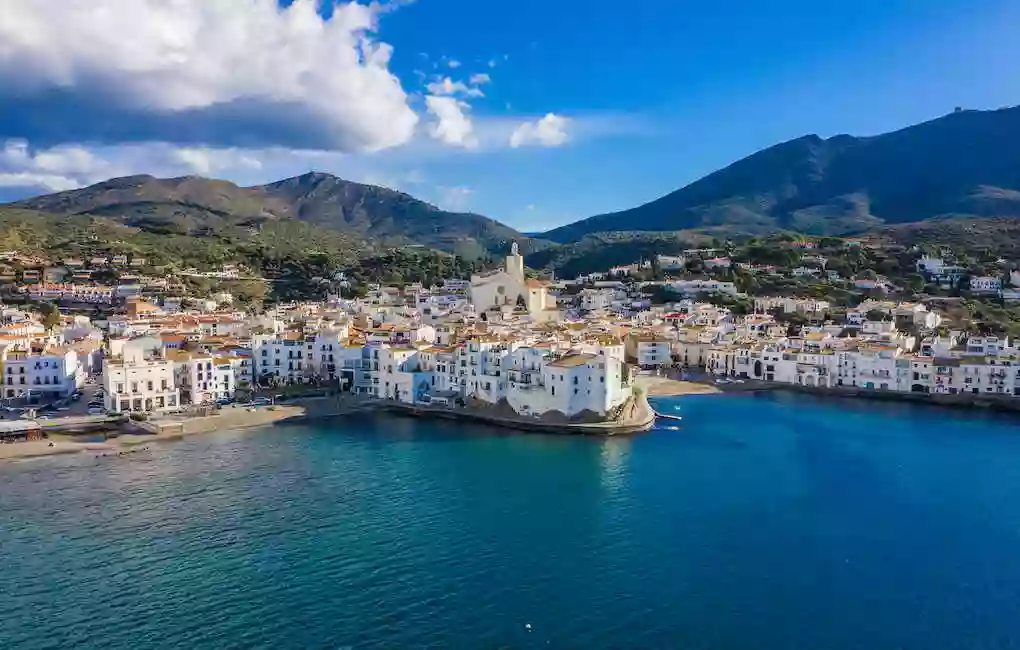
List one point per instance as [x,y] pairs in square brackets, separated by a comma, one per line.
[54,170]
[453,63]
[550,131]
[65,167]
[452,125]
[200,71]
[480,79]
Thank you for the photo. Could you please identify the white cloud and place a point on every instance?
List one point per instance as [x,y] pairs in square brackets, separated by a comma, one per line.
[43,182]
[390,6]
[492,63]
[550,131]
[56,169]
[453,63]
[67,167]
[453,126]
[480,79]
[446,86]
[205,161]
[455,199]
[290,67]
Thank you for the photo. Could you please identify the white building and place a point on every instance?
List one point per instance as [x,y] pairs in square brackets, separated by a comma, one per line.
[52,374]
[985,284]
[649,350]
[208,379]
[509,288]
[596,299]
[138,381]
[281,360]
[671,262]
[571,384]
[694,287]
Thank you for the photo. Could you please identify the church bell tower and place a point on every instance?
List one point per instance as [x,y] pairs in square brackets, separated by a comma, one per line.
[515,264]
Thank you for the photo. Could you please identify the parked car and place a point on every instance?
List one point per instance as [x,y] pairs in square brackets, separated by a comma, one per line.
[96,410]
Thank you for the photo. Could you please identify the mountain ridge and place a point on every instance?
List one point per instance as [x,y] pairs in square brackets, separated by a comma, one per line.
[960,164]
[194,205]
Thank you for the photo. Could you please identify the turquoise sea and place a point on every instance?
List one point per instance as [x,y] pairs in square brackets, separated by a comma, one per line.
[769,522]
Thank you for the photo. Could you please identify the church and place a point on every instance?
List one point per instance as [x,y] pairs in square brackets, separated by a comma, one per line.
[507,290]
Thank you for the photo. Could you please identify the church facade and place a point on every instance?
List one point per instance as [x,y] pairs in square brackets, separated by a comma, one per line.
[509,290]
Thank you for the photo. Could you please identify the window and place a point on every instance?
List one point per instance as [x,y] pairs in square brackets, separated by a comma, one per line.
[164,385]
[149,386]
[120,388]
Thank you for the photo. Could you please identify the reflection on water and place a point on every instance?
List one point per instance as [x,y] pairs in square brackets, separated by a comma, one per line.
[768,522]
[615,453]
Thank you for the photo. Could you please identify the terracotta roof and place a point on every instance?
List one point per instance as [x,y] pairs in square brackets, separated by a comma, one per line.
[572,361]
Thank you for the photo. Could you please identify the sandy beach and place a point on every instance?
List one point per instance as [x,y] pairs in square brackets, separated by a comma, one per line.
[656,386]
[61,445]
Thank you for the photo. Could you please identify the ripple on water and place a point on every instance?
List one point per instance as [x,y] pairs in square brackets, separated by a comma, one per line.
[768,522]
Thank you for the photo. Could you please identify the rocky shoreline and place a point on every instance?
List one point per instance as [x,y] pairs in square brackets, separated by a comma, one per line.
[638,418]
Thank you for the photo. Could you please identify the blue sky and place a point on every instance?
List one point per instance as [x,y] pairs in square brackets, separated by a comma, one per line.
[586,107]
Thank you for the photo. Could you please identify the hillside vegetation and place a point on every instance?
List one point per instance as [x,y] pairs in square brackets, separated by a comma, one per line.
[966,164]
[361,217]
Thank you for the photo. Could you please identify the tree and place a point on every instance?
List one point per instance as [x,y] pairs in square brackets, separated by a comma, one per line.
[50,315]
[914,282]
[876,315]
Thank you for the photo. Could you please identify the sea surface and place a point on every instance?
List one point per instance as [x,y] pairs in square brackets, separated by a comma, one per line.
[769,521]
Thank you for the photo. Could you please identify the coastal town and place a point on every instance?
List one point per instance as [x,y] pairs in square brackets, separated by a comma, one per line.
[502,342]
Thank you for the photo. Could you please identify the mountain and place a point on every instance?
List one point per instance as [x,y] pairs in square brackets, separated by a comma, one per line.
[380,213]
[963,164]
[195,206]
